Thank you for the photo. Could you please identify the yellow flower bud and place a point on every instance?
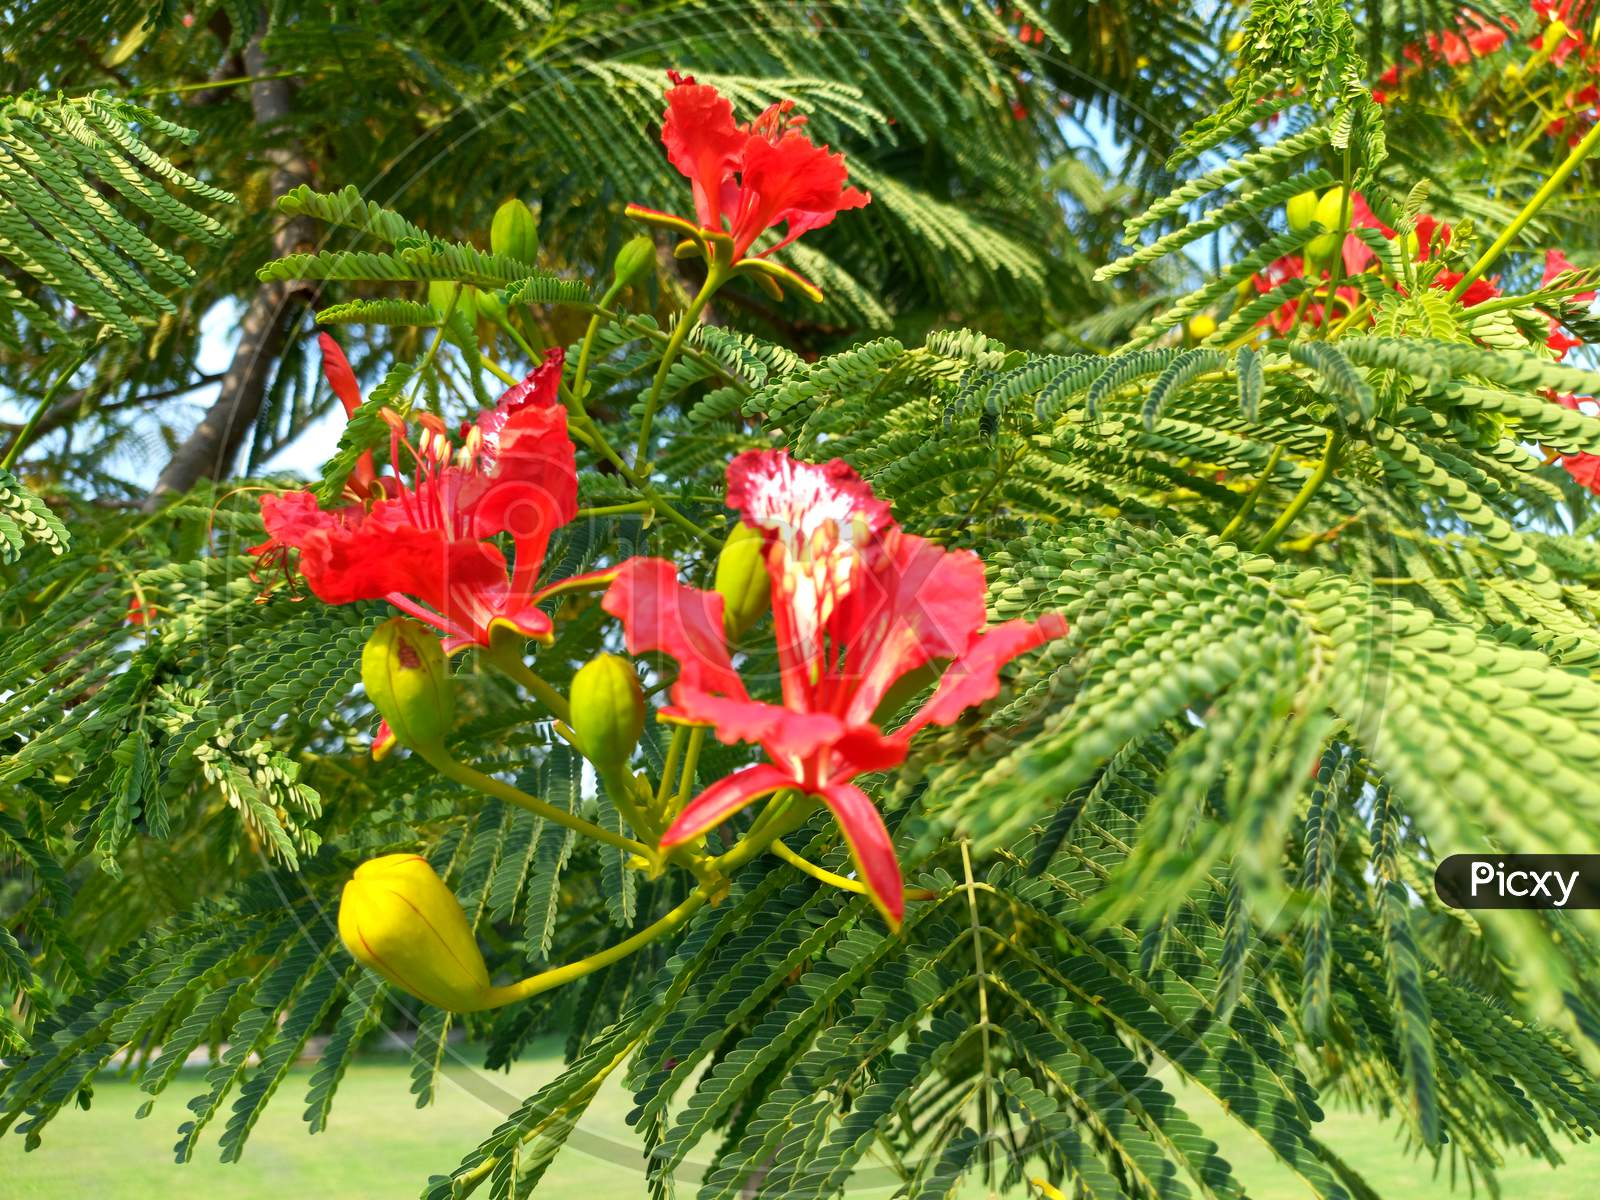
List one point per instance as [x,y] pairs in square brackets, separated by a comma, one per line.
[408,681]
[742,580]
[397,916]
[636,257]
[1301,210]
[1200,326]
[607,710]
[514,232]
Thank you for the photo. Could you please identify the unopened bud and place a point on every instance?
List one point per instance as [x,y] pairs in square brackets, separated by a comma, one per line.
[607,710]
[408,681]
[397,917]
[490,308]
[742,580]
[1301,210]
[1329,211]
[636,257]
[1200,326]
[465,314]
[514,232]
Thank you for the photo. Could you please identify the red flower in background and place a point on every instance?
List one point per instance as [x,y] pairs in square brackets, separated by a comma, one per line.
[858,606]
[424,546]
[1473,37]
[1555,265]
[1585,468]
[750,178]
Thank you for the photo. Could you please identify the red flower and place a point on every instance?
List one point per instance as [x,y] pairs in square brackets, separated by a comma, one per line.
[424,546]
[1555,264]
[858,606]
[1585,468]
[140,610]
[748,179]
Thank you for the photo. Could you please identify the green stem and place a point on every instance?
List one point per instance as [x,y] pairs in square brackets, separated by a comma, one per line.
[697,739]
[1307,490]
[788,811]
[715,278]
[26,432]
[236,81]
[1239,518]
[556,976]
[1336,275]
[669,768]
[821,874]
[657,501]
[1529,211]
[439,759]
[499,372]
[615,510]
[504,655]
[433,348]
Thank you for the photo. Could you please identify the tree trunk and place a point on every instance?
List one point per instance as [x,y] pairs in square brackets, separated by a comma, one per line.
[209,451]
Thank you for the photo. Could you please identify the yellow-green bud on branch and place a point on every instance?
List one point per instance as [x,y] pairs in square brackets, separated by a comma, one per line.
[1329,211]
[490,308]
[636,257]
[1301,211]
[742,580]
[398,917]
[514,232]
[408,681]
[607,711]
[465,315]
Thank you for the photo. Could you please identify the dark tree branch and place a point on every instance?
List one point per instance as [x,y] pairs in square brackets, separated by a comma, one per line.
[209,451]
[82,403]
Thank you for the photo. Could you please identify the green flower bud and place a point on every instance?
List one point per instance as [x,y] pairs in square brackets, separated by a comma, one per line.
[490,308]
[1301,211]
[408,681]
[465,315]
[1330,208]
[742,580]
[607,710]
[636,257]
[514,232]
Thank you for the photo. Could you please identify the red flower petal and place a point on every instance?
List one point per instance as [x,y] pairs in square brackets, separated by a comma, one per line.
[783,732]
[923,603]
[705,144]
[659,613]
[1585,468]
[791,182]
[721,800]
[975,676]
[870,847]
[336,368]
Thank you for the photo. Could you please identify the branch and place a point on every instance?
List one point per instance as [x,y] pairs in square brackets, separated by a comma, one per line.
[209,451]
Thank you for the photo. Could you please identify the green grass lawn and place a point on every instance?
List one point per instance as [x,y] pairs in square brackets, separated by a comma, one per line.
[379,1146]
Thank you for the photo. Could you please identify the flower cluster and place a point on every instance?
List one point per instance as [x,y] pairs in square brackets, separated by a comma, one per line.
[867,617]
[427,545]
[747,179]
[1474,37]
